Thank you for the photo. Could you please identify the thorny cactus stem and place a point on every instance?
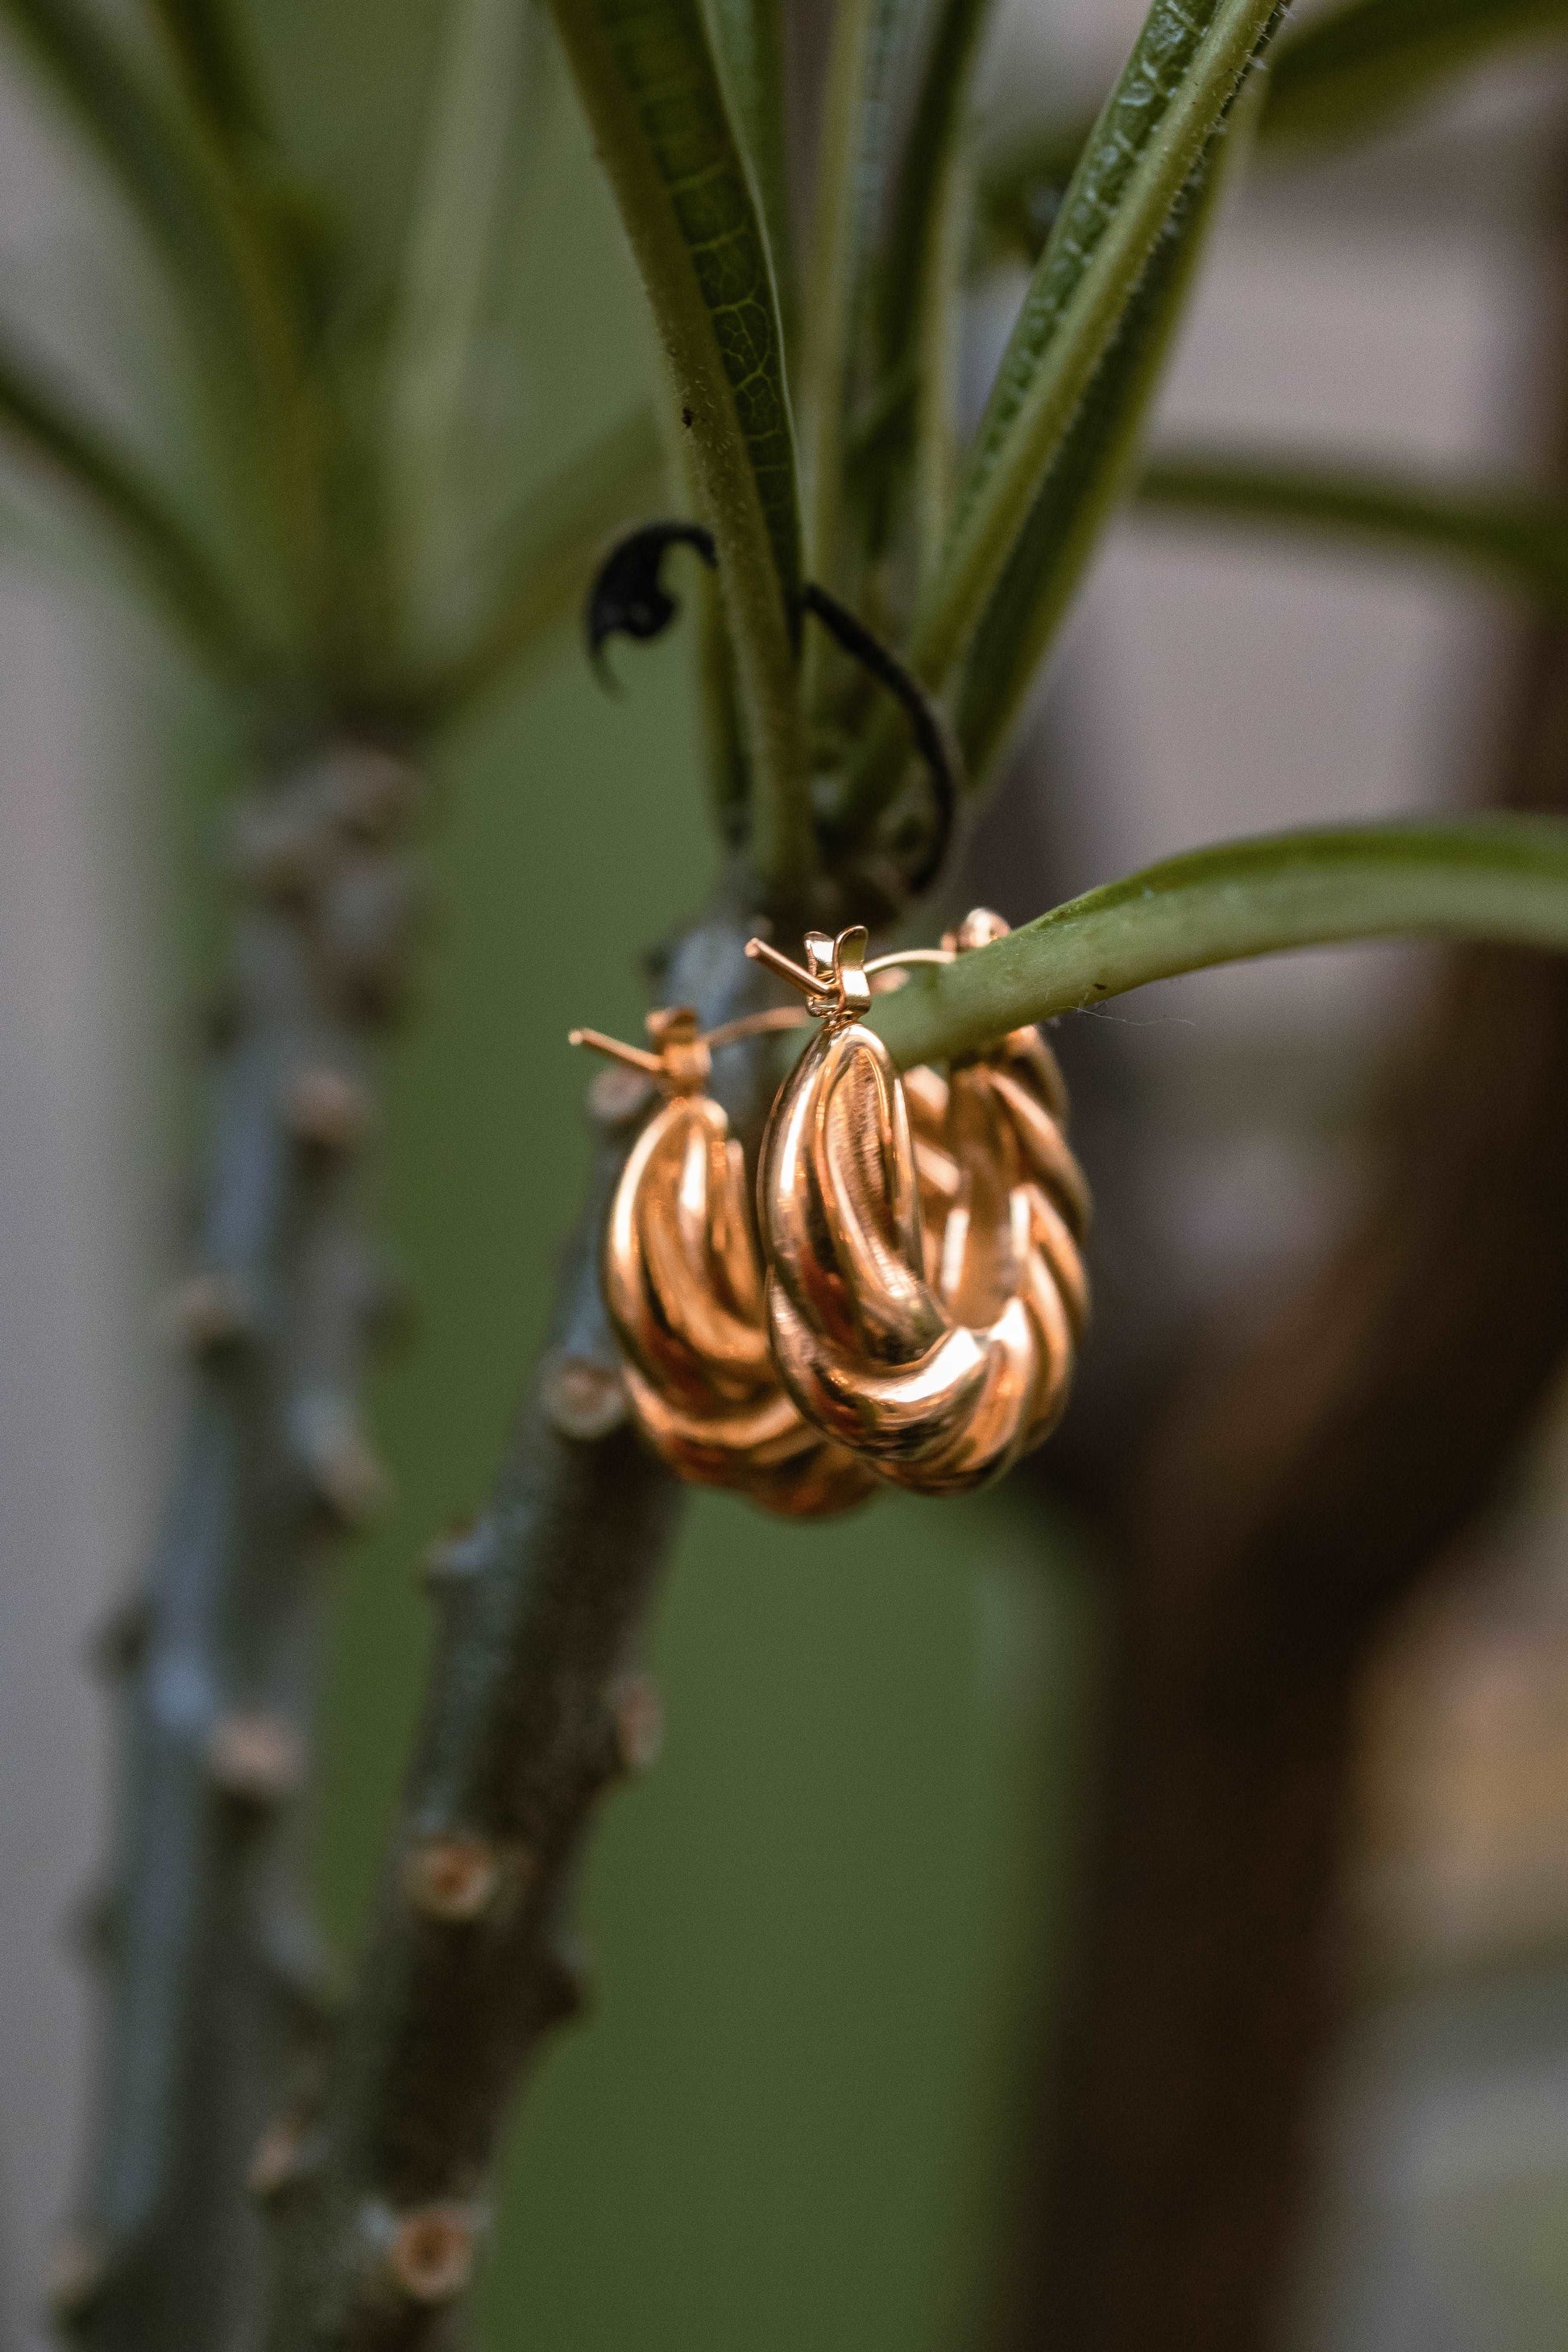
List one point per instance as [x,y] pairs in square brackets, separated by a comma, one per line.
[214,1974]
[535,1707]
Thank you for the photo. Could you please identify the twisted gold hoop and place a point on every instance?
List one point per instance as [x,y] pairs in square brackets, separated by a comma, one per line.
[925,1291]
[683,1285]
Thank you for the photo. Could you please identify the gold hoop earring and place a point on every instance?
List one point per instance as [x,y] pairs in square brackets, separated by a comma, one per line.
[934,1336]
[683,1285]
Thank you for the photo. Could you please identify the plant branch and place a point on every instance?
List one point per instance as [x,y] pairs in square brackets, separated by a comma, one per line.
[648,84]
[1484,877]
[1518,536]
[213,1974]
[532,1711]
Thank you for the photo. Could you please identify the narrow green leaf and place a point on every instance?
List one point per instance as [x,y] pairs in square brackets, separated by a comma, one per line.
[748,35]
[207,45]
[1184,73]
[225,262]
[1488,877]
[650,87]
[139,137]
[1348,70]
[851,167]
[40,424]
[548,554]
[439,310]
[922,274]
[1516,536]
[1341,75]
[1087,476]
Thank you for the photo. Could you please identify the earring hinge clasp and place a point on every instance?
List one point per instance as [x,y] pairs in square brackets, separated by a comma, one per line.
[811,984]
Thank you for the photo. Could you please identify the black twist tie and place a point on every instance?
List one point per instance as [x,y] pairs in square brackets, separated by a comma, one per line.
[628,598]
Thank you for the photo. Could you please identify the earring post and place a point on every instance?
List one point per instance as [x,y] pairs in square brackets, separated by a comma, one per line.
[632,1055]
[760,951]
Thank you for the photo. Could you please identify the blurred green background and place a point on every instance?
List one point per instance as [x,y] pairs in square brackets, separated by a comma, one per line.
[819,1929]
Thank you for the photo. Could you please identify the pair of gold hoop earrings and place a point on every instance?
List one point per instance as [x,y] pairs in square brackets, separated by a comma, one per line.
[913,1311]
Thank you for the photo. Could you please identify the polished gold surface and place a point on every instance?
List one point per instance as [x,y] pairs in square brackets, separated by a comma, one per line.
[925,1289]
[684,1288]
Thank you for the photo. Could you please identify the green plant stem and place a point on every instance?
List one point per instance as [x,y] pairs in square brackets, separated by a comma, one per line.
[649,87]
[526,1724]
[214,1981]
[1518,536]
[1499,877]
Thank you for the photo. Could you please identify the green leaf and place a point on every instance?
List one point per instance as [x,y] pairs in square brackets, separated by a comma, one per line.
[748,35]
[1341,75]
[225,262]
[143,141]
[1184,73]
[922,272]
[650,87]
[440,305]
[1087,478]
[1488,877]
[38,422]
[1518,536]
[1348,70]
[851,167]
[548,554]
[207,46]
